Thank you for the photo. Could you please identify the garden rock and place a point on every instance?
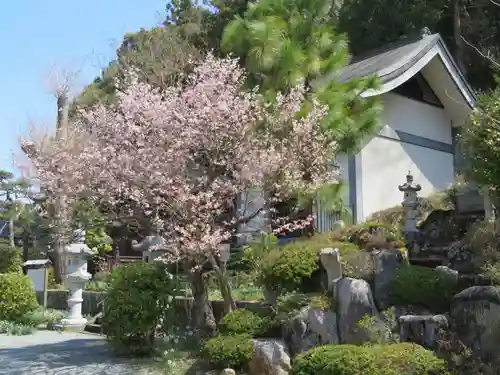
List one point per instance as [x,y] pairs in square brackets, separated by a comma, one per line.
[330,260]
[475,312]
[354,300]
[453,274]
[270,358]
[422,329]
[386,263]
[311,327]
[228,371]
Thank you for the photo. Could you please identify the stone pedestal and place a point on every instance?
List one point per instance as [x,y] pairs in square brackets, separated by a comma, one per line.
[75,256]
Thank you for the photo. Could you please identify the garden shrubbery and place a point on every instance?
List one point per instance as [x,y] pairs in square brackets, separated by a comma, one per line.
[422,286]
[394,359]
[243,321]
[10,259]
[138,298]
[17,296]
[287,269]
[234,351]
[371,235]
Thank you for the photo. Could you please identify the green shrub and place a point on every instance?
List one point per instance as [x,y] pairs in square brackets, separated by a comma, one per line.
[372,235]
[422,286]
[15,329]
[288,268]
[234,351]
[395,359]
[242,321]
[40,316]
[17,296]
[10,259]
[138,298]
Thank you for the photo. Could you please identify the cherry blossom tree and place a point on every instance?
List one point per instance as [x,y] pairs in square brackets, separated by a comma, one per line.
[185,155]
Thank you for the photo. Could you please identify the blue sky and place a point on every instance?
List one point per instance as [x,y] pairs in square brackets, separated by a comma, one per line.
[37,37]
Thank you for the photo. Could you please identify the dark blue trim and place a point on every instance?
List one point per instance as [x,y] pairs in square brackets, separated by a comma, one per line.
[420,141]
[353,196]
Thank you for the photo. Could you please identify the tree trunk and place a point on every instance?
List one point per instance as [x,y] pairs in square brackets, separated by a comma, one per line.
[25,245]
[225,287]
[11,233]
[202,314]
[457,36]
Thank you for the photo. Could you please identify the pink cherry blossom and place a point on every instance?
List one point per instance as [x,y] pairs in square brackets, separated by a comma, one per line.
[186,155]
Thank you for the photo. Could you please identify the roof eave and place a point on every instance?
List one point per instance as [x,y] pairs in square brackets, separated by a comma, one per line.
[439,49]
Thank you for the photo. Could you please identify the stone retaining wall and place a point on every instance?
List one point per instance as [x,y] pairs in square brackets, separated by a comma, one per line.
[57,299]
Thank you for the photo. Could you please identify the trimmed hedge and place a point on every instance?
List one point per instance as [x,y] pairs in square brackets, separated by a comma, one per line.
[17,296]
[394,359]
[422,286]
[243,321]
[233,351]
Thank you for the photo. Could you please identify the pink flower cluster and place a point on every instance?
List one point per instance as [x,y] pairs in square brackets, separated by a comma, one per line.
[191,152]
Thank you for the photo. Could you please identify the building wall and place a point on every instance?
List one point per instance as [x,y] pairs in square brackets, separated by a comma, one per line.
[415,137]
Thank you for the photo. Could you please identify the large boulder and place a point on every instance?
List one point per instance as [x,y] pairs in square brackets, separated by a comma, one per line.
[270,358]
[476,315]
[386,263]
[311,327]
[354,300]
[422,329]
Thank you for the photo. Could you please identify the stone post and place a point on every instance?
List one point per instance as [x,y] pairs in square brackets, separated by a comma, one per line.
[410,203]
[330,260]
[76,256]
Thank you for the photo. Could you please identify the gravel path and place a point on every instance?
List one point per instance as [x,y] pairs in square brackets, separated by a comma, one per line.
[65,353]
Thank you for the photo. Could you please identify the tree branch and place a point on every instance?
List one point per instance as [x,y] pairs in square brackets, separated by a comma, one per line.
[493,62]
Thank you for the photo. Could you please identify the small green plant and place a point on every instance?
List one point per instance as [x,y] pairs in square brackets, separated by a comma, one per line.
[15,329]
[394,359]
[422,286]
[17,296]
[372,235]
[243,321]
[41,316]
[322,302]
[381,332]
[96,286]
[234,351]
[137,301]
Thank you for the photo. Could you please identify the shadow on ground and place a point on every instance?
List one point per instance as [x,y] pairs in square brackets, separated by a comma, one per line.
[78,356]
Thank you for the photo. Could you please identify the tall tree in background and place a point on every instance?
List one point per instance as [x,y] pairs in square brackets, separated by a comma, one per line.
[282,43]
[12,191]
[469,27]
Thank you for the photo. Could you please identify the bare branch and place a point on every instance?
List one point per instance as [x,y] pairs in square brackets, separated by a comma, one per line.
[61,82]
[489,58]
[495,3]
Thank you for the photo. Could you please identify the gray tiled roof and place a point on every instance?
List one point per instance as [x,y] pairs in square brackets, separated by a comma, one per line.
[389,61]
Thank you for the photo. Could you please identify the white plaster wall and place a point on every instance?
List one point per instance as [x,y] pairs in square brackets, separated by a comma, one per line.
[383,163]
[412,116]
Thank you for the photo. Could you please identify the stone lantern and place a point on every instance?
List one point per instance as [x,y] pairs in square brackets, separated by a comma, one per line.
[76,276]
[410,203]
[152,247]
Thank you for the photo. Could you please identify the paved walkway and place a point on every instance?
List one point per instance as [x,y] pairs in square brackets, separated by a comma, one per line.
[65,353]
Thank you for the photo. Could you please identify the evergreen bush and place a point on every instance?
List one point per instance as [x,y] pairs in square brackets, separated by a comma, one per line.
[17,296]
[393,359]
